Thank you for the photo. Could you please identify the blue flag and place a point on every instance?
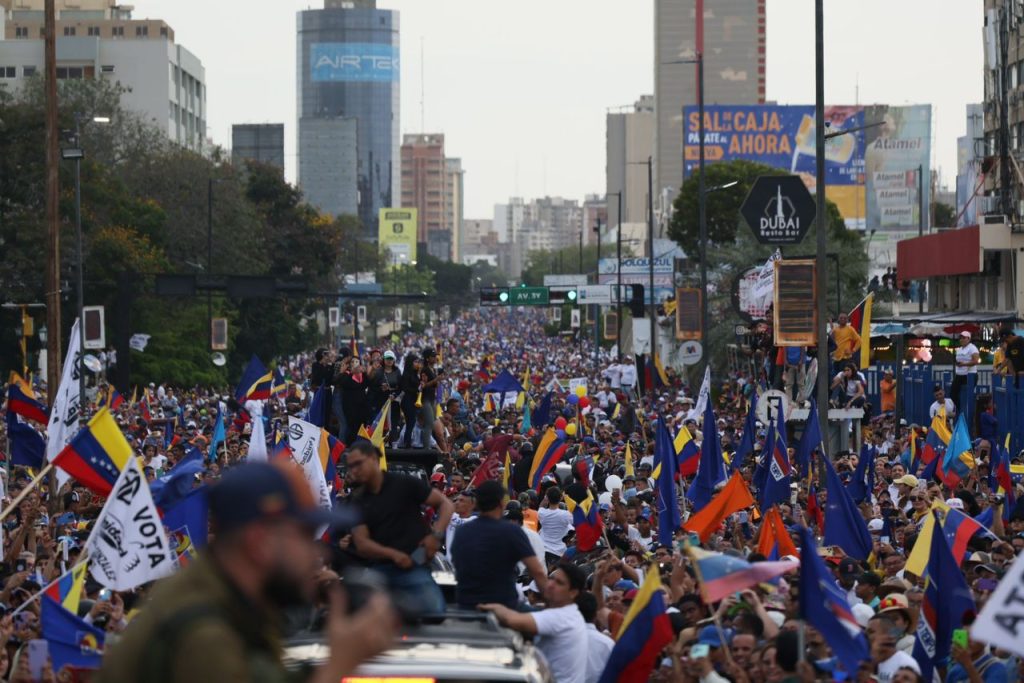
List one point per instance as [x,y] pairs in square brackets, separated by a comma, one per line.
[761,471]
[28,447]
[946,599]
[823,604]
[844,525]
[668,502]
[711,469]
[72,641]
[541,415]
[319,407]
[860,487]
[187,523]
[176,484]
[746,446]
[218,436]
[810,441]
[777,470]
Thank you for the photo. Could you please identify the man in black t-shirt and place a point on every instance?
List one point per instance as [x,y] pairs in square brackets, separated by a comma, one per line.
[393,536]
[1014,350]
[485,553]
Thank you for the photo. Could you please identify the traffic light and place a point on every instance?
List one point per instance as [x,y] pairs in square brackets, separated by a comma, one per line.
[494,296]
[636,301]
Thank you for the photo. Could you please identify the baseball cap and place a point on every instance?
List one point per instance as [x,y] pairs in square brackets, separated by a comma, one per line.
[389,355]
[848,566]
[263,491]
[870,578]
[955,503]
[710,636]
[965,333]
[876,525]
[907,480]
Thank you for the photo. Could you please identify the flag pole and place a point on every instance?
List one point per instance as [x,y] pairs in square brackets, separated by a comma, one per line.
[28,489]
[83,559]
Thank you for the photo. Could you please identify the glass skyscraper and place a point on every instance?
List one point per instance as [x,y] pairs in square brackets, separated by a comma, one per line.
[348,71]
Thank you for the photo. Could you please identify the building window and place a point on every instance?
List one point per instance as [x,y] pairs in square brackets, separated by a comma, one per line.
[21,31]
[69,30]
[94,31]
[70,72]
[7,71]
[1012,73]
[163,31]
[28,71]
[42,33]
[1014,140]
[107,68]
[118,31]
[141,30]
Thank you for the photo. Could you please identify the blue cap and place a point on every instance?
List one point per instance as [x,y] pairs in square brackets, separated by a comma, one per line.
[262,491]
[709,636]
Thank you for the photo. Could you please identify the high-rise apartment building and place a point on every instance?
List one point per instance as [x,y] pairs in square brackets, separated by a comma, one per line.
[348,74]
[733,44]
[425,188]
[164,83]
[329,169]
[629,140]
[262,142]
[454,204]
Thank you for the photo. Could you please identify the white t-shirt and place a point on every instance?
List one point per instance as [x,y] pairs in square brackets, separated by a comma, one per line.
[950,409]
[536,543]
[605,399]
[898,661]
[963,355]
[613,373]
[554,525]
[599,648]
[560,631]
[645,543]
[628,375]
[454,523]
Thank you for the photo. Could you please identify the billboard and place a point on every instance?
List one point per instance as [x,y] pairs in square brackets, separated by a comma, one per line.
[340,62]
[856,165]
[896,158]
[637,271]
[397,234]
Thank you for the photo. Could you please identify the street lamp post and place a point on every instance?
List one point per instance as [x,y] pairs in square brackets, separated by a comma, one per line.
[596,309]
[618,278]
[822,247]
[76,154]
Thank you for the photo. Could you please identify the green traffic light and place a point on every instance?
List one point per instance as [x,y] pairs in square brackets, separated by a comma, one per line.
[571,295]
[503,297]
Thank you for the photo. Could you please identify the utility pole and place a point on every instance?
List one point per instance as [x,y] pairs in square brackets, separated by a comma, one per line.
[53,339]
[653,312]
[618,278]
[819,148]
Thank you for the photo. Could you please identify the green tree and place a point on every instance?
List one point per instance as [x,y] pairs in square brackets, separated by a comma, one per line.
[945,215]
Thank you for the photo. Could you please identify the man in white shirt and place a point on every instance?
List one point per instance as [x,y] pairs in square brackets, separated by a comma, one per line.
[606,398]
[967,360]
[942,402]
[599,645]
[628,378]
[560,631]
[554,524]
[614,374]
[464,503]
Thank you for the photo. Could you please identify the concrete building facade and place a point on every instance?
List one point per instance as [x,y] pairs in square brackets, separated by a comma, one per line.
[454,204]
[733,44]
[629,139]
[262,142]
[425,188]
[329,169]
[348,69]
[164,83]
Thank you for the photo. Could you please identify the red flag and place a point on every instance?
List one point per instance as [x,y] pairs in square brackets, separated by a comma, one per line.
[486,470]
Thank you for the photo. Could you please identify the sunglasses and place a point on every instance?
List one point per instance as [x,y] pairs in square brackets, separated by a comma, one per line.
[916,499]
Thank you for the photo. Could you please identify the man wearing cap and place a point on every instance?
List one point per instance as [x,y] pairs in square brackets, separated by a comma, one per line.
[218,619]
[393,535]
[628,377]
[901,488]
[847,572]
[966,364]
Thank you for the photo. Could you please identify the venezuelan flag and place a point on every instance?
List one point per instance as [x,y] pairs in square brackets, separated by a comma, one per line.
[67,590]
[655,373]
[959,530]
[280,448]
[96,454]
[549,451]
[255,383]
[645,631]
[586,521]
[278,385]
[860,320]
[113,399]
[330,450]
[687,452]
[721,575]
[25,404]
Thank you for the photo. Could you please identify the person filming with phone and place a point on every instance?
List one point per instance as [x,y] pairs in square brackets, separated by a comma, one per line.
[393,537]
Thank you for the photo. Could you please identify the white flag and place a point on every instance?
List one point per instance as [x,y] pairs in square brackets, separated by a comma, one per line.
[702,397]
[304,440]
[64,416]
[129,546]
[257,441]
[1001,622]
[138,342]
[762,292]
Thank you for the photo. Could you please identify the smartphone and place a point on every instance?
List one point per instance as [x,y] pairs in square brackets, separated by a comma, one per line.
[744,516]
[694,539]
[38,653]
[960,637]
[104,595]
[884,539]
[699,650]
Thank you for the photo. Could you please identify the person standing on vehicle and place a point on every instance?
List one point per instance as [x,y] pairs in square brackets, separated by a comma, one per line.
[486,552]
[561,633]
[554,525]
[410,387]
[967,360]
[429,379]
[393,535]
[383,383]
[218,618]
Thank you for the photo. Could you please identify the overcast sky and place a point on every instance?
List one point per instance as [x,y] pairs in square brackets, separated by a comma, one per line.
[520,89]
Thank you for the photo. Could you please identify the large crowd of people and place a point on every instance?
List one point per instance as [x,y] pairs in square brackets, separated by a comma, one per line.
[551,500]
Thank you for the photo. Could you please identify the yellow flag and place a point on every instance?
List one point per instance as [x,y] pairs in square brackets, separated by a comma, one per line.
[629,461]
[918,560]
[74,596]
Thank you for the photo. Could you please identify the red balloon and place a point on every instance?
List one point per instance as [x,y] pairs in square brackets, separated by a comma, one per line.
[584,402]
[560,423]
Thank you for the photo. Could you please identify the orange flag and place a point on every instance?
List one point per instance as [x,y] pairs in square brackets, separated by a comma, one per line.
[733,497]
[773,535]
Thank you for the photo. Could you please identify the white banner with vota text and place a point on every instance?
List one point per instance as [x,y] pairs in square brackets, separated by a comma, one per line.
[1001,622]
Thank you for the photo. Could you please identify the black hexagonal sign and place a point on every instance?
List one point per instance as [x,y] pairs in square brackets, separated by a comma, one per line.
[779,209]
